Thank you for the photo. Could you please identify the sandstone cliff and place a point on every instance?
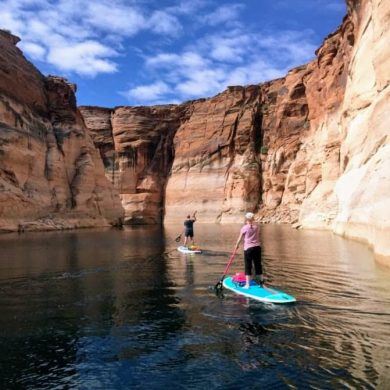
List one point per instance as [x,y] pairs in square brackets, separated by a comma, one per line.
[310,148]
[136,146]
[353,199]
[51,175]
[262,148]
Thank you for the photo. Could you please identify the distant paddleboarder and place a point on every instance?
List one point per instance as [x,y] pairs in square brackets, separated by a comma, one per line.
[189,229]
[252,250]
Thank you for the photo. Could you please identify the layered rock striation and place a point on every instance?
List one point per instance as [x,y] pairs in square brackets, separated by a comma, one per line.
[216,169]
[136,146]
[363,186]
[51,174]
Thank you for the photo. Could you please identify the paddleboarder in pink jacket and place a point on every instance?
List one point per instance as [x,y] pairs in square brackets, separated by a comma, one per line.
[252,249]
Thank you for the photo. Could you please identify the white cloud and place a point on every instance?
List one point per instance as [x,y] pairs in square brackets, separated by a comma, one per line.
[188,60]
[82,36]
[226,53]
[114,18]
[192,60]
[223,14]
[9,22]
[162,60]
[147,93]
[296,46]
[235,57]
[186,7]
[35,51]
[258,70]
[88,58]
[87,37]
[230,46]
[164,23]
[201,83]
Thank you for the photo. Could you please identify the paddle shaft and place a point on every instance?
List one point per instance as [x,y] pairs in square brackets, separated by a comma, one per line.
[229,264]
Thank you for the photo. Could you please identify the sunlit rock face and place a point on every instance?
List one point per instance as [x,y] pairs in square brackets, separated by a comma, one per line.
[262,148]
[364,185]
[51,175]
[352,196]
[310,148]
[216,166]
[167,161]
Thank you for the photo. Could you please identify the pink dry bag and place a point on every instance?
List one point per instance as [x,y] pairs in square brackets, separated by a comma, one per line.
[239,277]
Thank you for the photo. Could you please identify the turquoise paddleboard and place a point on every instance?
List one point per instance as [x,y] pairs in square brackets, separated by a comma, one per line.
[263,294]
[184,249]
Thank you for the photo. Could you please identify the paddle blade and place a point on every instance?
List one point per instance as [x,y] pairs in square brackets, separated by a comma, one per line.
[218,287]
[178,238]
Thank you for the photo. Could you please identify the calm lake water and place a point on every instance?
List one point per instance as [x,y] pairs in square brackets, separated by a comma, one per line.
[120,309]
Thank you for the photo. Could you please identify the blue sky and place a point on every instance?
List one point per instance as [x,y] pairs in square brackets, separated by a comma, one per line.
[142,52]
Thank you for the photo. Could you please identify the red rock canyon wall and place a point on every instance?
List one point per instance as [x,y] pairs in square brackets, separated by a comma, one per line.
[260,148]
[310,148]
[51,175]
[136,146]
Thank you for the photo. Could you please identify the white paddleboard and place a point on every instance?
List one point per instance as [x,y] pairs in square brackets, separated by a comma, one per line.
[184,249]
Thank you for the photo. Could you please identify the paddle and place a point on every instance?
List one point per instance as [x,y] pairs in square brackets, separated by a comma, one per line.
[218,287]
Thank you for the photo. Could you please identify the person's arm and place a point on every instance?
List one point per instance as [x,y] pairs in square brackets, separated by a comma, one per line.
[194,216]
[238,242]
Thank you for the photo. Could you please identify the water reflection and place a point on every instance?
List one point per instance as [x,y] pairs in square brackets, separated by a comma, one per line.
[121,309]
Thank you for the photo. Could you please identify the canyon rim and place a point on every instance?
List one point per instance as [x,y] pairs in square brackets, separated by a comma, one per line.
[309,149]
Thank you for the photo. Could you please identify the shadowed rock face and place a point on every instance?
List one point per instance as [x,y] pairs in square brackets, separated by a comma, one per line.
[51,176]
[136,145]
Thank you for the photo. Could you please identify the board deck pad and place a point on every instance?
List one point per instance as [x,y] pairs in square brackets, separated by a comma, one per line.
[263,294]
[184,249]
